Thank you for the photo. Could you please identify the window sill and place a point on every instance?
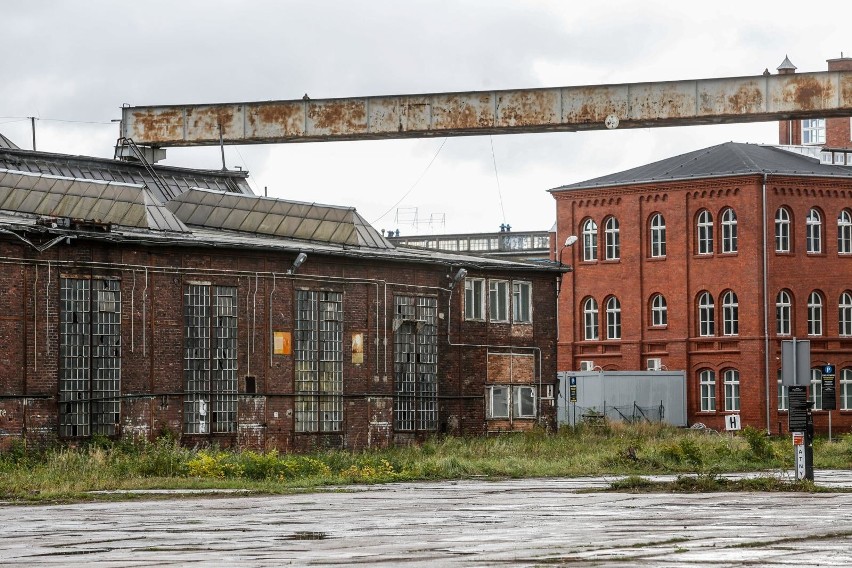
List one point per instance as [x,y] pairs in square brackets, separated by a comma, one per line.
[656,258]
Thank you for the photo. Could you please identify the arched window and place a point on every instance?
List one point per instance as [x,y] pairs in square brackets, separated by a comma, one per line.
[783,313]
[706,315]
[707,382]
[659,311]
[730,314]
[729,231]
[613,241]
[815,313]
[590,319]
[658,236]
[844,232]
[704,232]
[844,314]
[846,389]
[590,240]
[782,230]
[613,318]
[813,224]
[731,378]
[815,389]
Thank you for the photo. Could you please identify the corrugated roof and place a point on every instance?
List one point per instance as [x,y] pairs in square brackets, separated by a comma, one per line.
[176,180]
[275,217]
[130,205]
[728,159]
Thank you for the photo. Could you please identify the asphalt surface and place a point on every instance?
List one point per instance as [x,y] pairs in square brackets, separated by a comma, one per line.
[531,522]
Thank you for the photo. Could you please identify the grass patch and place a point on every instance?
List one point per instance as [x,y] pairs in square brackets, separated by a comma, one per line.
[59,473]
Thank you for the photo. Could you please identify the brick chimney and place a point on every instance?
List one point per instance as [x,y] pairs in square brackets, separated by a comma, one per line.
[837,130]
[789,131]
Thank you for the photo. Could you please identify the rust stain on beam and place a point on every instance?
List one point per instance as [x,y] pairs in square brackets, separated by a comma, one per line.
[636,105]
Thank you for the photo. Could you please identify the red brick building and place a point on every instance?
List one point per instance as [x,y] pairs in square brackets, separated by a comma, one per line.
[135,301]
[704,262]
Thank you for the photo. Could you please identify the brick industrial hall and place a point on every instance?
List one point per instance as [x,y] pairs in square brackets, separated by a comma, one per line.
[706,261]
[138,299]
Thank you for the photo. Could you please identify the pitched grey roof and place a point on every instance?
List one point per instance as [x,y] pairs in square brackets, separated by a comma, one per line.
[728,159]
[6,143]
[786,64]
[168,182]
[129,205]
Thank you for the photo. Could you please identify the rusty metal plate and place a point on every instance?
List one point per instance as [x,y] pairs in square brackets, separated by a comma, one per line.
[590,105]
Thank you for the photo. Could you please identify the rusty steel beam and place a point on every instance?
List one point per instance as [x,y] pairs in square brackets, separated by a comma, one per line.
[630,105]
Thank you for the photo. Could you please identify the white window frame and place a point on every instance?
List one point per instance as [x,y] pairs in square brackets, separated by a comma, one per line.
[704,232]
[813,226]
[498,300]
[590,319]
[706,315]
[707,382]
[782,230]
[844,232]
[846,389]
[813,131]
[844,314]
[520,394]
[495,404]
[659,311]
[657,236]
[815,389]
[474,299]
[783,395]
[731,378]
[815,319]
[590,240]
[730,313]
[522,311]
[613,318]
[783,313]
[613,239]
[729,231]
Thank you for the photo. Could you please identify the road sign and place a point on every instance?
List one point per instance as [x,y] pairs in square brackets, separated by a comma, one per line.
[797,416]
[572,389]
[795,362]
[829,394]
[732,422]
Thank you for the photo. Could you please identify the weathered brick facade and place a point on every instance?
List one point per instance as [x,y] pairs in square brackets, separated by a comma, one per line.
[153,340]
[682,275]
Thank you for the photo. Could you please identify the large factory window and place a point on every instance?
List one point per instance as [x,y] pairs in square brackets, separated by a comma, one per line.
[90,357]
[415,363]
[319,361]
[210,359]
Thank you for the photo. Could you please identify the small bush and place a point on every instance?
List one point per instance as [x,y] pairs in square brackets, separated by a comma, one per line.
[759,443]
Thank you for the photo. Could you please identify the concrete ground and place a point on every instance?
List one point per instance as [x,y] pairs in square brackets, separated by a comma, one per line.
[531,522]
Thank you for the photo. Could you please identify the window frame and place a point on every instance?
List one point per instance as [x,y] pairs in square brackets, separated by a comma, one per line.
[591,320]
[846,388]
[474,308]
[730,314]
[783,224]
[511,402]
[844,314]
[783,396]
[501,300]
[590,240]
[730,236]
[505,402]
[813,131]
[522,308]
[704,233]
[815,314]
[783,313]
[657,236]
[706,315]
[813,231]
[815,388]
[731,379]
[707,390]
[613,318]
[612,238]
[659,311]
[844,232]
[518,402]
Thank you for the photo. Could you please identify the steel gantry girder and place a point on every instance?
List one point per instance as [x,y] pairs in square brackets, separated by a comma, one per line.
[629,105]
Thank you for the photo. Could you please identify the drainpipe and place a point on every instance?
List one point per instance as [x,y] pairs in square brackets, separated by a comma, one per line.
[765,308]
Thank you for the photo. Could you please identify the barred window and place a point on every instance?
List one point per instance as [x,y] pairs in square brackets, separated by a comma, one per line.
[318,350]
[90,357]
[210,359]
[416,363]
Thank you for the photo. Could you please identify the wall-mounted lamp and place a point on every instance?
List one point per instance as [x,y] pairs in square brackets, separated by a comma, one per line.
[297,263]
[568,242]
[459,276]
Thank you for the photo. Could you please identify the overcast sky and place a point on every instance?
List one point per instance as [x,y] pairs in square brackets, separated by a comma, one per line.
[73,63]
